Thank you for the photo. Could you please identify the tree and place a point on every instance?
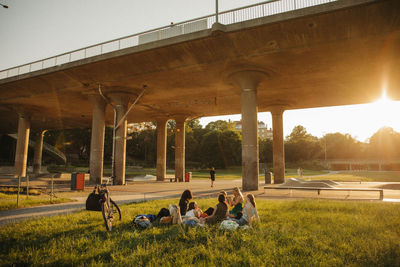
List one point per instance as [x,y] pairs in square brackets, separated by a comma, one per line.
[299,133]
[221,125]
[171,124]
[265,150]
[75,143]
[221,148]
[341,146]
[143,147]
[301,146]
[194,124]
[384,144]
[193,138]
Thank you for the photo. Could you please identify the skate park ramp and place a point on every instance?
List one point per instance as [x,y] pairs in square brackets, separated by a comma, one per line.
[295,182]
[146,177]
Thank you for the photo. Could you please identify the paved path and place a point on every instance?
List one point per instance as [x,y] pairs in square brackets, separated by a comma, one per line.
[142,191]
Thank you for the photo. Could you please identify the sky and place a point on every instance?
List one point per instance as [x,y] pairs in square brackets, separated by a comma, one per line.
[34,30]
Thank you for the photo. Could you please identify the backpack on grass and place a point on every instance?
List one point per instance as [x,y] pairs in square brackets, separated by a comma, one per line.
[228,225]
[163,213]
[93,201]
[142,222]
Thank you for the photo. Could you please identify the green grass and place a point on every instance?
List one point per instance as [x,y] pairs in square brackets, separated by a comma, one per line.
[299,233]
[364,176]
[9,201]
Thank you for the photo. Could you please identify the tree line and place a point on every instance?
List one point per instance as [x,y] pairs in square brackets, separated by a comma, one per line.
[218,144]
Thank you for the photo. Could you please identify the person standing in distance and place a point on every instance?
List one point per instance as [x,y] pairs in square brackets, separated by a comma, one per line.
[212,176]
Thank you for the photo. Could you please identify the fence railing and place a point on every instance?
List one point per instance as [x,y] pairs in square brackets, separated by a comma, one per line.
[50,149]
[263,9]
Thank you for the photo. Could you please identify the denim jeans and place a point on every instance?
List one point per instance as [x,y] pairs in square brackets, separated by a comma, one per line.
[241,221]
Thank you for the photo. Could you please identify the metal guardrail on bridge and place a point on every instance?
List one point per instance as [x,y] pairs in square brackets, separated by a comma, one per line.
[250,12]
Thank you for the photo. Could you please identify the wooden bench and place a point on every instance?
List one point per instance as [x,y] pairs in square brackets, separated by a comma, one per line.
[319,189]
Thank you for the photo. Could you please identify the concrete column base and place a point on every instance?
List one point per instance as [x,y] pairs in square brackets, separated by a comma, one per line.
[161,149]
[121,101]
[278,145]
[97,139]
[37,158]
[180,149]
[21,151]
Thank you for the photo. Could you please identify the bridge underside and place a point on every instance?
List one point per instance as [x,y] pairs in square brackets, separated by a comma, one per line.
[342,53]
[312,58]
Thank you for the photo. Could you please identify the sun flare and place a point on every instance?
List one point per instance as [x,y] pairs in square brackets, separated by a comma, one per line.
[386,111]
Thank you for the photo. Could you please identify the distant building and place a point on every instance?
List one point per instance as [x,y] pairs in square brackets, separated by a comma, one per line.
[263,131]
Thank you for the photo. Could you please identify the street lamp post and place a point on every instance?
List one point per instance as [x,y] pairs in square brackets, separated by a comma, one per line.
[216,11]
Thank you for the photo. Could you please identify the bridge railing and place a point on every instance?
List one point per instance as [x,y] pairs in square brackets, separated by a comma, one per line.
[266,8]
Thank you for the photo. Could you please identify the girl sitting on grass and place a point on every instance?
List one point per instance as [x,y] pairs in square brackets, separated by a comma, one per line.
[220,212]
[249,211]
[184,201]
[194,210]
[236,202]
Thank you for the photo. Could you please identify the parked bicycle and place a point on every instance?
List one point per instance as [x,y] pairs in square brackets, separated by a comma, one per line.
[100,200]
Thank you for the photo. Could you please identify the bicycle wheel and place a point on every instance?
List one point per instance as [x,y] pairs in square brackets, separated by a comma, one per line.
[115,208]
[107,215]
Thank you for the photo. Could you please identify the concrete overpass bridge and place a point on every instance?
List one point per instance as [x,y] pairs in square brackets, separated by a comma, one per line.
[274,56]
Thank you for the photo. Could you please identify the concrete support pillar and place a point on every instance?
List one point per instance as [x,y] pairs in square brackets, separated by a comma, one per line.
[37,158]
[180,149]
[248,82]
[278,145]
[97,139]
[161,149]
[250,167]
[21,152]
[121,101]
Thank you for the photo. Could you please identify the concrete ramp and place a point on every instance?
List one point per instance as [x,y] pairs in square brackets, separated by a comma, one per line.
[146,177]
[330,182]
[294,182]
[48,149]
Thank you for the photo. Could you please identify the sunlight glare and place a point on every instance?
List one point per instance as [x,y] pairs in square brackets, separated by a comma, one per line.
[386,111]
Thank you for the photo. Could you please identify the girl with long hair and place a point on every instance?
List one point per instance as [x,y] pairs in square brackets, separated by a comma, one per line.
[184,201]
[220,211]
[249,211]
[236,202]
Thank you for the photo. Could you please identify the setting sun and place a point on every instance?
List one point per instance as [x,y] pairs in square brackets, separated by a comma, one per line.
[386,112]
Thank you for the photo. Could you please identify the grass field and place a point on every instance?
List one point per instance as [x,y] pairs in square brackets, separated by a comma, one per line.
[299,233]
[9,201]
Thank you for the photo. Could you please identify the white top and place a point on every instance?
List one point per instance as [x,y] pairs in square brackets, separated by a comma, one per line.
[190,213]
[253,211]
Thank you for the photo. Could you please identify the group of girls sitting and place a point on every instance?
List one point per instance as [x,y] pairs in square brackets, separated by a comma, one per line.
[189,213]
